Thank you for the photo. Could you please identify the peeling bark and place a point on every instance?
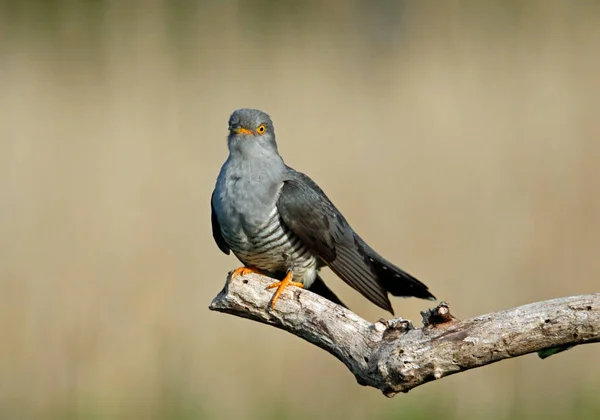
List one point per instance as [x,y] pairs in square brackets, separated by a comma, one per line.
[394,356]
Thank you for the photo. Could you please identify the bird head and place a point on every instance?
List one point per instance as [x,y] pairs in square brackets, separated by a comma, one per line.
[251,130]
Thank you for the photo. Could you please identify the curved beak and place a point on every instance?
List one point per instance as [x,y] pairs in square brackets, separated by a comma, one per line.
[240,130]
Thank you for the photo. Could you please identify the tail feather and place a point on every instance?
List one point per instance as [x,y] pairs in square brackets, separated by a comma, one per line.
[395,280]
[400,283]
[319,287]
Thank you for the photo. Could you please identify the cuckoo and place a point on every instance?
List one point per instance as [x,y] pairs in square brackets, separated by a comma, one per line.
[278,222]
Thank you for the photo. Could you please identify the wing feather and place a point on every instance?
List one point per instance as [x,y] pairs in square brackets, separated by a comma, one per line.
[311,216]
[216,228]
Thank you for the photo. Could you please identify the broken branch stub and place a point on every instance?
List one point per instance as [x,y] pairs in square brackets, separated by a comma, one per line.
[394,356]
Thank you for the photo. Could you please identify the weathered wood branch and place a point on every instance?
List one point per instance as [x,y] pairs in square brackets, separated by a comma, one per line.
[393,356]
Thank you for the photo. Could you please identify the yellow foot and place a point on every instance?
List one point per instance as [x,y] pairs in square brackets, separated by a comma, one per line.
[242,271]
[287,281]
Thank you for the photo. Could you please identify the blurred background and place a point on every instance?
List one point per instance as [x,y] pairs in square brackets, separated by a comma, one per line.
[461,140]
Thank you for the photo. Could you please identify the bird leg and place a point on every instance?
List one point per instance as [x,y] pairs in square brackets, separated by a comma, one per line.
[242,271]
[287,281]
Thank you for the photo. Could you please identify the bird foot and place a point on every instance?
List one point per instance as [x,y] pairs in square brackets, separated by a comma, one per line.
[287,281]
[242,271]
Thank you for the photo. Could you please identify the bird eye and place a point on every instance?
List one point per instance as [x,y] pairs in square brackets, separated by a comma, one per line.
[261,129]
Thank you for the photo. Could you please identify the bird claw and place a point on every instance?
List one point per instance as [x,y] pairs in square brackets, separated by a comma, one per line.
[281,285]
[242,271]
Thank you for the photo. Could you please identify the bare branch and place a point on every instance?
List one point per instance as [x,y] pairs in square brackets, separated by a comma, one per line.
[393,356]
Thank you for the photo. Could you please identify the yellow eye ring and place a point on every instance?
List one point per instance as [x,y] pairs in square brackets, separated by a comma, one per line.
[261,129]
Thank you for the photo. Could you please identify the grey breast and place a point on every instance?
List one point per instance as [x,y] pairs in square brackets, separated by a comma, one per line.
[271,246]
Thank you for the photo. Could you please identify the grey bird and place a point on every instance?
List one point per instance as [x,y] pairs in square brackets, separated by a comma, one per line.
[278,222]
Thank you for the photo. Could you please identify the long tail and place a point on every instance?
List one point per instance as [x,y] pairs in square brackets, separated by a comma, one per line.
[320,288]
[395,280]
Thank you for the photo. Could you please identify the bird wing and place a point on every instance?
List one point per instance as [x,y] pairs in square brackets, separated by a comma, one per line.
[311,216]
[216,228]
